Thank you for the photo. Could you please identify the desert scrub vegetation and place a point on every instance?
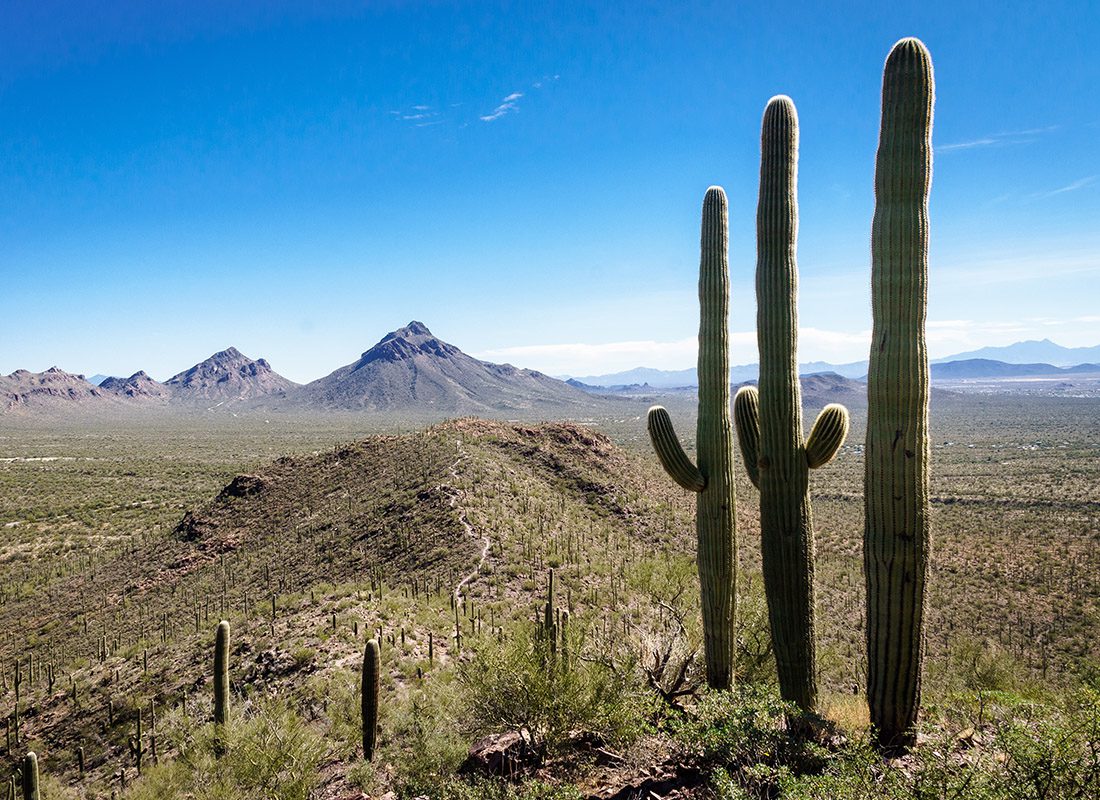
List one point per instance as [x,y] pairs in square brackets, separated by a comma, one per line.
[270,752]
[372,533]
[1001,747]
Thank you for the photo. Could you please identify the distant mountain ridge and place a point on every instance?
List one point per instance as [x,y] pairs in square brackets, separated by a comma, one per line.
[1042,351]
[1035,353]
[409,370]
[23,390]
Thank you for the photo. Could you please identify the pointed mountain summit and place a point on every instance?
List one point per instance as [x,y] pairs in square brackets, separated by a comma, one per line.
[412,369]
[228,376]
[138,385]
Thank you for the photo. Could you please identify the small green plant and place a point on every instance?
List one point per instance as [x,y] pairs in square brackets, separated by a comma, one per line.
[272,754]
[519,684]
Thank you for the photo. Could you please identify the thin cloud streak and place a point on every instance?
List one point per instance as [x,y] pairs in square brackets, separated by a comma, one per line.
[998,139]
[507,105]
[1072,187]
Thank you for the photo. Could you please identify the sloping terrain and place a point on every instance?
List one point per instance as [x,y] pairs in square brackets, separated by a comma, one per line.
[305,556]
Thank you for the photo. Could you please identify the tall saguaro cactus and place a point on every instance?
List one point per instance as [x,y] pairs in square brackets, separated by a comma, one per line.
[711,478]
[896,534]
[769,422]
[372,670]
[30,776]
[221,673]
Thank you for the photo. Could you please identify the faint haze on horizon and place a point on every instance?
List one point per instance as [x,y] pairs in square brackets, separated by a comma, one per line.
[298,182]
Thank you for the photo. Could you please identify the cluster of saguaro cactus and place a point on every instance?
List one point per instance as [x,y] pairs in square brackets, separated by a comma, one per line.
[896,516]
[769,421]
[711,477]
[372,669]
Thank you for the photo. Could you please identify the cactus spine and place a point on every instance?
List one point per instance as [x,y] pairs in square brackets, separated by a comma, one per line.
[896,519]
[769,421]
[712,477]
[372,668]
[30,776]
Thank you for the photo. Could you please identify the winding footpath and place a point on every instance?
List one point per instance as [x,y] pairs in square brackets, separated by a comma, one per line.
[485,542]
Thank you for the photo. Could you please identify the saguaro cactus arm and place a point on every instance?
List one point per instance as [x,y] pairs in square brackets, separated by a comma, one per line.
[746,418]
[827,435]
[672,455]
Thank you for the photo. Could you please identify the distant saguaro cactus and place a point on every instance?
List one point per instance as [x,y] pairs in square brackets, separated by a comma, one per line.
[372,670]
[769,421]
[896,536]
[221,673]
[30,776]
[712,477]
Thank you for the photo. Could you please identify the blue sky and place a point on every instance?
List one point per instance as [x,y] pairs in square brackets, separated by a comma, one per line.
[178,177]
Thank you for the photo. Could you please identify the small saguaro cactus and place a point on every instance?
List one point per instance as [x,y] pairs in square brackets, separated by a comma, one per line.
[896,534]
[769,420]
[30,776]
[372,670]
[221,673]
[711,478]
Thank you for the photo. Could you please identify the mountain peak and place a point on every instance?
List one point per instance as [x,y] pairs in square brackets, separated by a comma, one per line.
[228,354]
[414,328]
[229,375]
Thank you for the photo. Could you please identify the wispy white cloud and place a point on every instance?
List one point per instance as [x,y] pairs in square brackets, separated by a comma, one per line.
[419,115]
[983,142]
[507,105]
[1069,187]
[998,139]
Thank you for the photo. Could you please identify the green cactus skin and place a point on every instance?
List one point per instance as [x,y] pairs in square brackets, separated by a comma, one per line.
[769,420]
[896,536]
[221,673]
[712,477]
[372,670]
[30,776]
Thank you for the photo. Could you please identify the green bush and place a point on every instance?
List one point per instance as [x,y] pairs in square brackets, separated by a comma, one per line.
[743,736]
[424,742]
[271,755]
[521,684]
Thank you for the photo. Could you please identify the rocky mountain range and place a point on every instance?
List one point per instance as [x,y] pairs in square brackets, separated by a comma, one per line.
[409,370]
